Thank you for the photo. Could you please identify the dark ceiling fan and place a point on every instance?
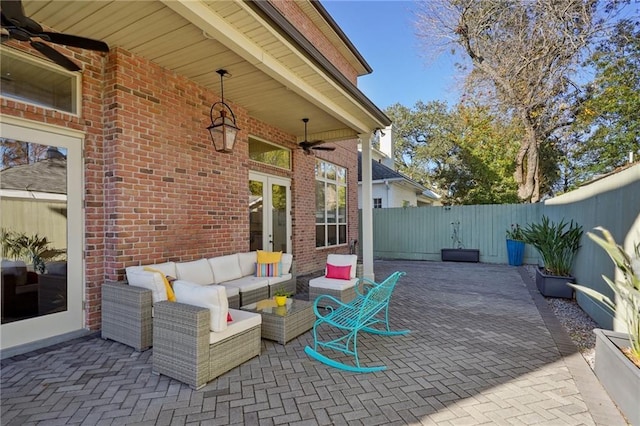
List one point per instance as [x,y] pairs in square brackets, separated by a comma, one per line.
[307,146]
[17,26]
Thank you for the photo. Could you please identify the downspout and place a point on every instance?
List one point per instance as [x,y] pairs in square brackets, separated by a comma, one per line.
[386,185]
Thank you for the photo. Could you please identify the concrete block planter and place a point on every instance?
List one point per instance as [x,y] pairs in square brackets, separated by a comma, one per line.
[460,255]
[619,376]
[553,285]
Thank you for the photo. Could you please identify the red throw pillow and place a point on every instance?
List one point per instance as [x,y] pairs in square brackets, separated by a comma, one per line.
[229,319]
[339,272]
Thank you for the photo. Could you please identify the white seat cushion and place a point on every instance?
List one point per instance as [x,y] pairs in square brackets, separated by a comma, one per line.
[343,260]
[198,272]
[225,268]
[212,297]
[278,280]
[332,284]
[247,263]
[247,283]
[242,320]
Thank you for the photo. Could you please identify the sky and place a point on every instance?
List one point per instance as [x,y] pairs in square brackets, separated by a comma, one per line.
[384,33]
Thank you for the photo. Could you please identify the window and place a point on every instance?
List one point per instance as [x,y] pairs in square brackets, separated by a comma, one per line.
[377,203]
[331,204]
[264,152]
[35,82]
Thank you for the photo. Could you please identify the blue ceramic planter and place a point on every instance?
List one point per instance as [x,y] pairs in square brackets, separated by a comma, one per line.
[515,251]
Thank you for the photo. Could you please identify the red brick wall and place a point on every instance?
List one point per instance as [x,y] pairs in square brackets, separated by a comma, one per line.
[155,188]
[294,14]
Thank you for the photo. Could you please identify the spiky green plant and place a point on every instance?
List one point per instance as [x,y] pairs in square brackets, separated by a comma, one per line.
[626,289]
[557,243]
[32,248]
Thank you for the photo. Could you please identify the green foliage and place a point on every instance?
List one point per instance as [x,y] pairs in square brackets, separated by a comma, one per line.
[556,243]
[33,248]
[281,291]
[626,290]
[515,233]
[608,114]
[467,154]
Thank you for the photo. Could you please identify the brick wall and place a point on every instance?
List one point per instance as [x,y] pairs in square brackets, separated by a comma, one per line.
[291,10]
[155,188]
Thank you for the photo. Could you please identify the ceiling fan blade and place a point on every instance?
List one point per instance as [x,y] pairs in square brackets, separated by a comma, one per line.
[309,144]
[74,41]
[13,12]
[324,148]
[55,56]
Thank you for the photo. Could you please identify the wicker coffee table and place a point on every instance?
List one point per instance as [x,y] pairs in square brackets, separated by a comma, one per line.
[283,323]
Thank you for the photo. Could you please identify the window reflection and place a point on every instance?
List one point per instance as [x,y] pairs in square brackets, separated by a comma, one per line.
[33,190]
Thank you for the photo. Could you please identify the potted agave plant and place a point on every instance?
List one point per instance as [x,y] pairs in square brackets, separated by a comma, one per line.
[558,244]
[617,363]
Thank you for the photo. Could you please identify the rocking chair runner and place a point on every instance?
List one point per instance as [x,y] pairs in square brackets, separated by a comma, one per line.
[370,308]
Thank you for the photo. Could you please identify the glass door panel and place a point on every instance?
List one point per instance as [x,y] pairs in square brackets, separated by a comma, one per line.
[41,233]
[256,213]
[269,213]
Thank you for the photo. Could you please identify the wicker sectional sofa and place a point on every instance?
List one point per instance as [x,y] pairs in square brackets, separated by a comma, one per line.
[127,309]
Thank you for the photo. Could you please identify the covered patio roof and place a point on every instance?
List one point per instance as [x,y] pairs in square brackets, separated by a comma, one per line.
[277,74]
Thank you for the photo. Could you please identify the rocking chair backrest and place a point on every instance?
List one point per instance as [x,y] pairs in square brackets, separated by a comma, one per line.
[377,298]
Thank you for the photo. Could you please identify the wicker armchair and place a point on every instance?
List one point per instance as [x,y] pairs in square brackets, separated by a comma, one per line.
[182,348]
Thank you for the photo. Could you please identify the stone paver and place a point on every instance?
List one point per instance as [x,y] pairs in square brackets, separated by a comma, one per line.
[483,349]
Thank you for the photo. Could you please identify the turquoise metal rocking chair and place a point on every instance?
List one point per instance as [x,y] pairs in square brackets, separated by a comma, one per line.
[367,312]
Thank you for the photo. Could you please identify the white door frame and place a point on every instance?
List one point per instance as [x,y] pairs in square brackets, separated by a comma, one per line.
[51,325]
[267,218]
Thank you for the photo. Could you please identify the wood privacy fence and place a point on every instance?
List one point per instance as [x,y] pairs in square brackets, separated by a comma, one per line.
[420,233]
[613,202]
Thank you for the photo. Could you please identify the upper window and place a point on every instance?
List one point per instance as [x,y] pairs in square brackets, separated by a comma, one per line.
[377,203]
[267,153]
[36,82]
[331,204]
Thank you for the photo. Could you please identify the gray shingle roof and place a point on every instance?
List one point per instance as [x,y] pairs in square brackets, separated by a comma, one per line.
[48,175]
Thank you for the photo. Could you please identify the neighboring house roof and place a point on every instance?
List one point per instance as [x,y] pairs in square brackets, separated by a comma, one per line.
[48,175]
[380,173]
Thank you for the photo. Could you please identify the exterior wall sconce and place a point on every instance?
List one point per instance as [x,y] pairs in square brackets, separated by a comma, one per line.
[223,129]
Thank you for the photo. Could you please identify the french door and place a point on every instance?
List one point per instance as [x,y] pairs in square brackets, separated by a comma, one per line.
[42,226]
[269,213]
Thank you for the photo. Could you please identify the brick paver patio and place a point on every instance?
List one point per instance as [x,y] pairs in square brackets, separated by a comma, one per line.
[483,349]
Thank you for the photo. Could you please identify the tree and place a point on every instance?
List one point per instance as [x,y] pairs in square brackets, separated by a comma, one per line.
[466,154]
[525,50]
[608,115]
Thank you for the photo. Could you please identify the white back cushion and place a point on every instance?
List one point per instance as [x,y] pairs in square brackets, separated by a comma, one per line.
[197,272]
[167,268]
[343,260]
[248,263]
[212,297]
[149,280]
[225,268]
[287,260]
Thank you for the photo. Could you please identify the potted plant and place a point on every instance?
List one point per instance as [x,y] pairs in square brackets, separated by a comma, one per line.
[557,244]
[281,296]
[515,245]
[617,364]
[459,253]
